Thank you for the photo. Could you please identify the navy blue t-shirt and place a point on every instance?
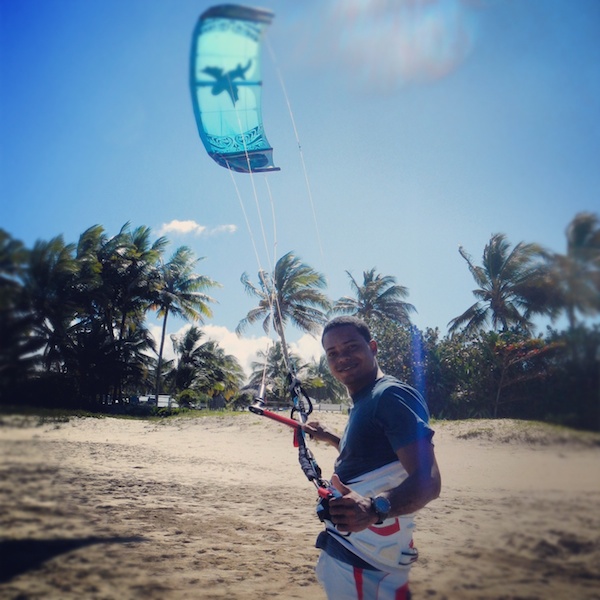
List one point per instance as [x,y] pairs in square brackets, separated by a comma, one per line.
[387,415]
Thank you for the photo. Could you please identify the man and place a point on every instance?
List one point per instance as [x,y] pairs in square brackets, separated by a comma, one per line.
[386,470]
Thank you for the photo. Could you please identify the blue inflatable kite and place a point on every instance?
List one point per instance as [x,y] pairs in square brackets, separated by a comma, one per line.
[225,81]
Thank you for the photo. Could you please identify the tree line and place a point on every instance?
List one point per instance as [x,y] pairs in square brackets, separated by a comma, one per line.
[73,328]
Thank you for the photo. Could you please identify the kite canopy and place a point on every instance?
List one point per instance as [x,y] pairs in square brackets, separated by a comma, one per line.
[225,81]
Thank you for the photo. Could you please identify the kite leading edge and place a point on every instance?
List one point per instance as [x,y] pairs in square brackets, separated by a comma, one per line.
[225,81]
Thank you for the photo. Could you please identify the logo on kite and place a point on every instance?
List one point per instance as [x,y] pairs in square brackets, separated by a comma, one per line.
[225,82]
[226,87]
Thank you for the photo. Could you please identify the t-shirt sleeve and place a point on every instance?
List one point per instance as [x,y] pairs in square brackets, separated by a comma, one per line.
[404,418]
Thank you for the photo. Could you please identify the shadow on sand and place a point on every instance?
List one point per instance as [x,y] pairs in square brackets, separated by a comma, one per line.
[20,556]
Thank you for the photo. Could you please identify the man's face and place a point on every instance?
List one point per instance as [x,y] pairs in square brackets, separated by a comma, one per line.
[350,357]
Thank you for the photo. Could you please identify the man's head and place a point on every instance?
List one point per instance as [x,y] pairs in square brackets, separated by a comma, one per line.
[350,352]
[358,324]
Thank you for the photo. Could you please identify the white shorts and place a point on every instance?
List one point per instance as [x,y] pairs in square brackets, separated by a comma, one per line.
[345,582]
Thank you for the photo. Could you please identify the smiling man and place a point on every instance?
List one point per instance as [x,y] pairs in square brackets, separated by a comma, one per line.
[385,472]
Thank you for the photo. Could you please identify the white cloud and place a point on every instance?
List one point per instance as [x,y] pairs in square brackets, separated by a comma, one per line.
[245,349]
[191,227]
[308,348]
[182,227]
[155,332]
[222,229]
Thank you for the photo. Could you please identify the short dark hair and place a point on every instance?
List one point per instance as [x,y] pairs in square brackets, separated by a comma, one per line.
[358,324]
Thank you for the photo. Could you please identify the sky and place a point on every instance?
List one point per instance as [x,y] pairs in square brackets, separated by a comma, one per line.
[403,129]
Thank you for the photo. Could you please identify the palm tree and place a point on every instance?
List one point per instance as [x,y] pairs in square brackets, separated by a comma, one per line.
[184,370]
[513,286]
[134,281]
[219,373]
[48,291]
[292,293]
[576,274]
[138,274]
[13,258]
[272,370]
[181,293]
[321,384]
[119,274]
[100,262]
[117,280]
[18,348]
[204,367]
[379,298]
[135,359]
[92,358]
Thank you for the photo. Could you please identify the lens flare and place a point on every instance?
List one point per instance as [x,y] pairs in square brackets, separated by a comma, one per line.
[388,43]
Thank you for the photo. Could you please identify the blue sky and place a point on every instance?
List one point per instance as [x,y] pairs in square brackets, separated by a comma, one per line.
[424,125]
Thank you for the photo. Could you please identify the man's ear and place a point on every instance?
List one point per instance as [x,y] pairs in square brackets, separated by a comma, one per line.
[373,346]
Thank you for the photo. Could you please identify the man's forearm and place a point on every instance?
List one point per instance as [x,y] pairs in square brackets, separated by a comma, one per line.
[320,433]
[332,439]
[414,493]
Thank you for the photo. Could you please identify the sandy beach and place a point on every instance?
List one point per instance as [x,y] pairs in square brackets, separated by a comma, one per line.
[217,507]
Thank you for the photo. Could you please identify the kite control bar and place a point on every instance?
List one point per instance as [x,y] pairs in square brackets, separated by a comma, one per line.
[258,409]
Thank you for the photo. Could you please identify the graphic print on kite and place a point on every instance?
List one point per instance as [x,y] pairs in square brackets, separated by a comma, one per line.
[226,86]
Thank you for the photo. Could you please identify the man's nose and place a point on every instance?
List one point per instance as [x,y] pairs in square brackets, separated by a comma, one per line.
[343,359]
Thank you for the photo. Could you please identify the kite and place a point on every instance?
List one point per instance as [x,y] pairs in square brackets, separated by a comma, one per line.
[226,86]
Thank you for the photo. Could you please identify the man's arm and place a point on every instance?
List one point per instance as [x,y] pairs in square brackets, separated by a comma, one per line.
[423,483]
[353,512]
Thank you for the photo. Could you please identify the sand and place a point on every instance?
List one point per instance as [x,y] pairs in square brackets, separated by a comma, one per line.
[217,507]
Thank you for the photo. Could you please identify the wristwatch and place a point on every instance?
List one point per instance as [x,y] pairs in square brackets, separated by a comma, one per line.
[382,507]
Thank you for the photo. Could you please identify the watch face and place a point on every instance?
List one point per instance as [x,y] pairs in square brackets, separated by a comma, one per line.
[382,505]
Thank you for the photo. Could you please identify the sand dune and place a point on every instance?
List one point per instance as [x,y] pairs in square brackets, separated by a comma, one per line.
[105,508]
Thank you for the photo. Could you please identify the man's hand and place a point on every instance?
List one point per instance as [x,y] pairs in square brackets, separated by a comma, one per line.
[316,431]
[352,512]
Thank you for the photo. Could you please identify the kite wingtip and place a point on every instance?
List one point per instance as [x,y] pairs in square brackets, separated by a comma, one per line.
[257,161]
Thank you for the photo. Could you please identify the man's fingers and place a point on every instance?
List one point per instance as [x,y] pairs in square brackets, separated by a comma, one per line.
[339,486]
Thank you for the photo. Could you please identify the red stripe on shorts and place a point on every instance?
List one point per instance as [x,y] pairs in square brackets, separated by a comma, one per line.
[402,593]
[358,582]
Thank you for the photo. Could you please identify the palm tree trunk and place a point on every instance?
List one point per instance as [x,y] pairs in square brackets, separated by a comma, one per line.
[160,353]
[499,391]
[284,348]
